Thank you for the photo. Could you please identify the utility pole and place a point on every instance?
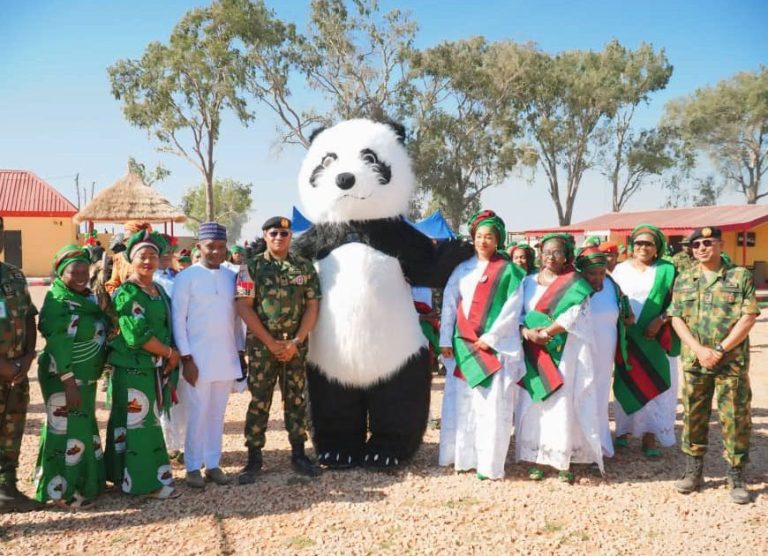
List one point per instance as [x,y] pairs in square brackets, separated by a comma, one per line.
[77,188]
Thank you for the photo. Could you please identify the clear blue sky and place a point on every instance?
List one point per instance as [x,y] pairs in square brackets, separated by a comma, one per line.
[58,117]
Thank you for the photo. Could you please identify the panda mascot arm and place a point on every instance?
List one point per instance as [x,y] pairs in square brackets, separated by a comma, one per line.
[368,366]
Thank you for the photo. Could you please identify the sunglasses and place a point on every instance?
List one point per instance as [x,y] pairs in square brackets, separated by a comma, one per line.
[698,244]
[642,243]
[281,233]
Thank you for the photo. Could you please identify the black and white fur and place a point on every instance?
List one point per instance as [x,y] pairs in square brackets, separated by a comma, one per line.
[368,361]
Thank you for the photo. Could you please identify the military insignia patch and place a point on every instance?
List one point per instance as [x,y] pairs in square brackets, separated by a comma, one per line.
[706,232]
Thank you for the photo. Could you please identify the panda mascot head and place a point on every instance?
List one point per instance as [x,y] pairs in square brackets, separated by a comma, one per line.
[356,170]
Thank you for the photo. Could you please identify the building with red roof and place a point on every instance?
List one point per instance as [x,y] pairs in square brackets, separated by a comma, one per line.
[745,229]
[37,220]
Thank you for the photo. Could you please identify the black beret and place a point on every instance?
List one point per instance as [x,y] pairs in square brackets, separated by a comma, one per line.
[280,222]
[707,232]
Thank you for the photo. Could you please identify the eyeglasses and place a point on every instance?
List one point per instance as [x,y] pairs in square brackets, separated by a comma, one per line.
[698,244]
[553,254]
[641,243]
[281,233]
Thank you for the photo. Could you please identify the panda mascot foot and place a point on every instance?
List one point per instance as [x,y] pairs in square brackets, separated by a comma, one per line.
[380,460]
[338,460]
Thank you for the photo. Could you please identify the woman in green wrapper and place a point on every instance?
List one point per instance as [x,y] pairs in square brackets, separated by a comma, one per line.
[646,387]
[556,422]
[70,465]
[480,345]
[144,361]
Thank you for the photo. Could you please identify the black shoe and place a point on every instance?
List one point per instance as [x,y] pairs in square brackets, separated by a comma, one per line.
[252,467]
[301,463]
[13,501]
[692,479]
[739,493]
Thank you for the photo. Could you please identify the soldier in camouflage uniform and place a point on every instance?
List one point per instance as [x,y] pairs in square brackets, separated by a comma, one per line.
[278,297]
[683,259]
[713,309]
[17,351]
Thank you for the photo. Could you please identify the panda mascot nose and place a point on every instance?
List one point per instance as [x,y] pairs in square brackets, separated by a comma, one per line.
[345,180]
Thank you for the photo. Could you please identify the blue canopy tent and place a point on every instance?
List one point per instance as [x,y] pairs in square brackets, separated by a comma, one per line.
[434,226]
[300,222]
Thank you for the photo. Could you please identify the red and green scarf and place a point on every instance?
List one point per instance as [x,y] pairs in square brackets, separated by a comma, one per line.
[542,377]
[499,281]
[643,372]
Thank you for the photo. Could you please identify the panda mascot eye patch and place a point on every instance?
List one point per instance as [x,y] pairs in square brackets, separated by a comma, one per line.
[368,364]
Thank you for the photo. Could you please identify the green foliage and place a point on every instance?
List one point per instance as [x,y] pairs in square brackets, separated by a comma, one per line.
[570,95]
[149,177]
[729,122]
[464,138]
[178,91]
[231,204]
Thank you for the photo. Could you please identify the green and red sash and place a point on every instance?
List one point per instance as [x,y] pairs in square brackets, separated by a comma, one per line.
[499,281]
[542,375]
[643,372]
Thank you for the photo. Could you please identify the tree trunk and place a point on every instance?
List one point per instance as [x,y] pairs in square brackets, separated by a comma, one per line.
[209,209]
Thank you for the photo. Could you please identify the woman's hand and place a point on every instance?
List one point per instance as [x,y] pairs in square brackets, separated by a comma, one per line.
[446,352]
[537,335]
[72,394]
[172,361]
[481,345]
[653,327]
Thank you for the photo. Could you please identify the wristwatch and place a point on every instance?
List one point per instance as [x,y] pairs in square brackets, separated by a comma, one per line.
[296,342]
[720,349]
[186,358]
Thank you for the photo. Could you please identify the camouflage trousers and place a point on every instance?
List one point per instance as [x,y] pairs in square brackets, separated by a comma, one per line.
[13,415]
[733,407]
[263,372]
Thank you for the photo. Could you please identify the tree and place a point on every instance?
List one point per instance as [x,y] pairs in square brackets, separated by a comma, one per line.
[231,202]
[149,177]
[729,122]
[464,138]
[178,91]
[628,157]
[697,192]
[356,59]
[568,96]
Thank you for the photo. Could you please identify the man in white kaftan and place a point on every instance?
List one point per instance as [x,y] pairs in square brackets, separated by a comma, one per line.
[209,336]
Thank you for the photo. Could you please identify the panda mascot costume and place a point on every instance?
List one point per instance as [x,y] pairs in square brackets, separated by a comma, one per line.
[368,368]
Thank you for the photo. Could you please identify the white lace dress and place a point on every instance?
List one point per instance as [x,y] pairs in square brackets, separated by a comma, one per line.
[564,428]
[658,415]
[605,313]
[476,423]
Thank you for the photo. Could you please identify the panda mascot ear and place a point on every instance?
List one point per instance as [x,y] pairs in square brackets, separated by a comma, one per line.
[398,128]
[315,132]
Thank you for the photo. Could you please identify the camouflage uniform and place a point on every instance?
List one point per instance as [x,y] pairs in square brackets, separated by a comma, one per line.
[14,399]
[280,290]
[710,309]
[683,261]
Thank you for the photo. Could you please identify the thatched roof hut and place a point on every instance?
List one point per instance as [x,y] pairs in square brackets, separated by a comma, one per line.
[129,199]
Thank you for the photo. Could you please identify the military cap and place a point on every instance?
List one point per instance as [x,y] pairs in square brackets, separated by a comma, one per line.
[706,232]
[279,222]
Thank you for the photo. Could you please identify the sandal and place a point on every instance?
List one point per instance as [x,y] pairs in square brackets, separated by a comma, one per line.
[652,453]
[565,477]
[535,474]
[165,493]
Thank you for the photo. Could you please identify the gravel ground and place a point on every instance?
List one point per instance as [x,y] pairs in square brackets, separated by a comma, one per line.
[422,509]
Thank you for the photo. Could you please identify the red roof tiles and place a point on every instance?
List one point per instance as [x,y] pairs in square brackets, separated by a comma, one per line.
[672,221]
[22,193]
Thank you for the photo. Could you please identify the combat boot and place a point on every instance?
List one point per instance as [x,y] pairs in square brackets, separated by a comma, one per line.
[252,467]
[739,494]
[692,478]
[14,501]
[301,463]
